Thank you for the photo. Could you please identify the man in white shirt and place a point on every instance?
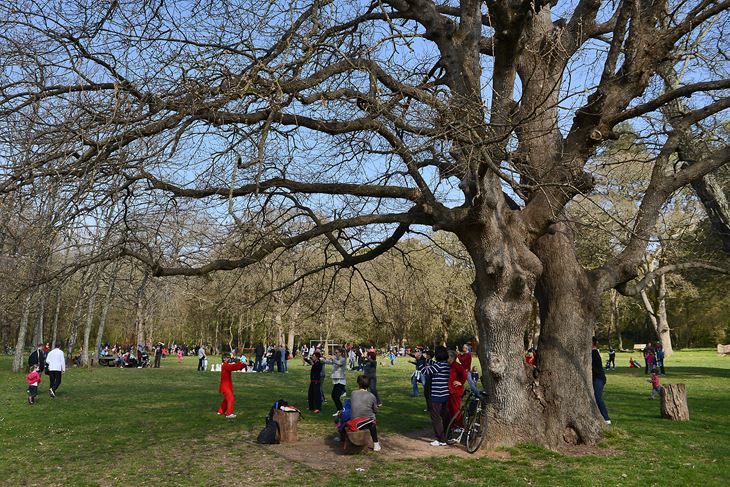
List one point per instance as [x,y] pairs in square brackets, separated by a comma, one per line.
[56,366]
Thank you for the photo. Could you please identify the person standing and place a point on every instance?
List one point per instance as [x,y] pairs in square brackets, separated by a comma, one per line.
[314,395]
[599,380]
[201,358]
[465,359]
[660,358]
[158,355]
[259,352]
[56,363]
[612,357]
[420,362]
[457,378]
[370,371]
[339,382]
[226,385]
[439,371]
[37,357]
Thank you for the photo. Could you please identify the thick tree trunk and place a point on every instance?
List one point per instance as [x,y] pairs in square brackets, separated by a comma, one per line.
[22,332]
[505,276]
[569,304]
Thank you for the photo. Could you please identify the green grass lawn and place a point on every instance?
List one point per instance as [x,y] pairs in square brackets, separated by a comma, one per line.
[158,427]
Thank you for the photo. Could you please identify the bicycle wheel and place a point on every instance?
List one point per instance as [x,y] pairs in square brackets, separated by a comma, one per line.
[454,433]
[476,429]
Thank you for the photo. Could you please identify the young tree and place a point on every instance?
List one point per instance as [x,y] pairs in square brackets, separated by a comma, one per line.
[360,121]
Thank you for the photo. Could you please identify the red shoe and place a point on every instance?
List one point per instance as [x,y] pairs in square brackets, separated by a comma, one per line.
[316,411]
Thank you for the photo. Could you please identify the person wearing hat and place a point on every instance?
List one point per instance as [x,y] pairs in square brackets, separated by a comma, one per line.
[226,386]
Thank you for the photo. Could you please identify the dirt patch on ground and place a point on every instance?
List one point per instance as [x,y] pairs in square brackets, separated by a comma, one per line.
[327,454]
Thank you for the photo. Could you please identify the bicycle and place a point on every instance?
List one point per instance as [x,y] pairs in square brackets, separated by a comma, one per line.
[473,413]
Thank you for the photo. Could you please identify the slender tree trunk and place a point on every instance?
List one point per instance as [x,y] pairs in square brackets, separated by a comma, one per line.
[56,314]
[22,332]
[38,331]
[614,323]
[139,310]
[569,306]
[91,305]
[105,310]
[74,332]
[662,321]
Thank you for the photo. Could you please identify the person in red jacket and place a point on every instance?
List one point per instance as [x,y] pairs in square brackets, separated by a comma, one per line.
[226,387]
[457,379]
[33,379]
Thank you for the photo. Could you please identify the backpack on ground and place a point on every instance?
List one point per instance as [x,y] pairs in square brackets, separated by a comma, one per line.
[277,405]
[270,434]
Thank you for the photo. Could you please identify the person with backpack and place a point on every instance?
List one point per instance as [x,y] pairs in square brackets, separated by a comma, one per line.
[364,406]
[339,382]
[226,385]
[314,395]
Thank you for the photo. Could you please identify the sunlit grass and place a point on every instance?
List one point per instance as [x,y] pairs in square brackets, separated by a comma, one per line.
[159,427]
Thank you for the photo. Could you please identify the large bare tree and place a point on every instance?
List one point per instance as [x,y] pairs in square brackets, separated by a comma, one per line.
[357,122]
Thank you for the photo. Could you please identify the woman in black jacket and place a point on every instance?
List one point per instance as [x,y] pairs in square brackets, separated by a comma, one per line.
[315,383]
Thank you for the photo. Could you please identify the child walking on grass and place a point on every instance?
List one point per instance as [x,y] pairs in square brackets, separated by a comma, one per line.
[33,379]
[656,388]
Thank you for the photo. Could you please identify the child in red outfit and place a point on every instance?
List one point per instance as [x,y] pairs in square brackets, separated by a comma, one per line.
[33,379]
[226,387]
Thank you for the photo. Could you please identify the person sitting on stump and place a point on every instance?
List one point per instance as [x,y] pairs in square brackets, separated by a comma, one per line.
[226,386]
[364,405]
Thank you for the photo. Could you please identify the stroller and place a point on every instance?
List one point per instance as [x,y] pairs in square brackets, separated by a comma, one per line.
[144,361]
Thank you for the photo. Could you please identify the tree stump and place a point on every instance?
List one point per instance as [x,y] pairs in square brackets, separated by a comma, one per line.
[674,402]
[288,425]
[357,441]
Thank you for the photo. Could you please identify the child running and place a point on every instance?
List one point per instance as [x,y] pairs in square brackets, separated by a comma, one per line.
[226,387]
[656,388]
[33,378]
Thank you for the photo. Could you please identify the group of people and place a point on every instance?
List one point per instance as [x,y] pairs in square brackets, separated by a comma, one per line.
[50,362]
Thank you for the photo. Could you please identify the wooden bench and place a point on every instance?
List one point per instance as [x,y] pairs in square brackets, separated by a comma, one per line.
[640,346]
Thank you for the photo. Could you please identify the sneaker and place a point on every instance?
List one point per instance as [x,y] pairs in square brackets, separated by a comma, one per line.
[52,393]
[219,413]
[230,416]
[335,415]
[337,438]
[316,411]
[437,443]
[380,404]
[30,400]
[608,421]
[376,446]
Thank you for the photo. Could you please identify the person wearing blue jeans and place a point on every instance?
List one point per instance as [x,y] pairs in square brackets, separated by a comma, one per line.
[599,380]
[417,376]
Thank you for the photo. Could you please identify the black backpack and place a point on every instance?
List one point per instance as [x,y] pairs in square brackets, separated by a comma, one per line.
[270,434]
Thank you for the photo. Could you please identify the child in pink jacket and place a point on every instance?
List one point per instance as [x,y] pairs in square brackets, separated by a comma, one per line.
[655,386]
[33,379]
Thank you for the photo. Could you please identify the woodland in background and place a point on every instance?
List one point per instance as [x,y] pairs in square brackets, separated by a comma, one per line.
[549,156]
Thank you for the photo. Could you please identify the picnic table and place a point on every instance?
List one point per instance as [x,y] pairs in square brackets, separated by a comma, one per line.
[107,360]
